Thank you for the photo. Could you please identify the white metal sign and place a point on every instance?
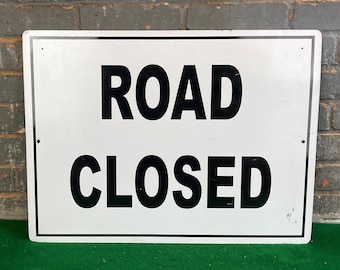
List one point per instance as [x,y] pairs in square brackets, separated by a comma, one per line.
[171,136]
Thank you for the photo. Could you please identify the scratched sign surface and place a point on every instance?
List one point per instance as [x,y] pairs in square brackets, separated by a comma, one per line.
[171,136]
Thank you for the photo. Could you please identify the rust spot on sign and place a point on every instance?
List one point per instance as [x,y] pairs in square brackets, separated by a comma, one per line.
[325,183]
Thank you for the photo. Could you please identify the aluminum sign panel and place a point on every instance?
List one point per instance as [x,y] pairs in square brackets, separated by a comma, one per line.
[171,136]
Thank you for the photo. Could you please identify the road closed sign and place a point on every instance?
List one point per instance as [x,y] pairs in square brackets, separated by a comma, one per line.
[171,136]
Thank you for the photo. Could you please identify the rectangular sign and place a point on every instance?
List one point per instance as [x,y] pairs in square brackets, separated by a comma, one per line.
[171,136]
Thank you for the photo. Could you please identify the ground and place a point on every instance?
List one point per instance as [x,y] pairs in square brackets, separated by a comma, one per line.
[17,252]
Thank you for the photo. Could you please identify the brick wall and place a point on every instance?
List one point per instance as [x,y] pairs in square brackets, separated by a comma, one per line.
[19,15]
